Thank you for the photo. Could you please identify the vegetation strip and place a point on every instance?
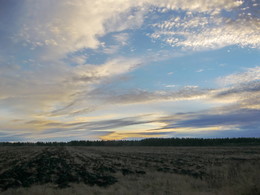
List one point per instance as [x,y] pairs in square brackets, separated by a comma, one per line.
[149,142]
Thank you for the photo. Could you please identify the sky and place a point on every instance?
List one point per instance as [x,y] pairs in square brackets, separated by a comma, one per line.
[128,69]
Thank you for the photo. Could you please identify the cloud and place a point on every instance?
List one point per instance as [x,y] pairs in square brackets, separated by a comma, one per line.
[170,86]
[251,74]
[111,68]
[243,88]
[143,96]
[122,38]
[238,90]
[200,70]
[199,31]
[52,29]
[239,115]
[36,89]
[131,136]
[46,46]
[241,118]
[199,5]
[113,124]
[239,112]
[82,89]
[57,89]
[243,95]
[56,28]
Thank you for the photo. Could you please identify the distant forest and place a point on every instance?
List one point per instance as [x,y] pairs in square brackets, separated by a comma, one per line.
[148,142]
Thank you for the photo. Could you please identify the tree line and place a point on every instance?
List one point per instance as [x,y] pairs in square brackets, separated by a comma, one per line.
[148,142]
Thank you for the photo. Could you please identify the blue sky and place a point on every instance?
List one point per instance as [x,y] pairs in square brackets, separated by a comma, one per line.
[124,69]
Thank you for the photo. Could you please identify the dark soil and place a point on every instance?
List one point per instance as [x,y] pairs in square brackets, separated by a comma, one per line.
[52,165]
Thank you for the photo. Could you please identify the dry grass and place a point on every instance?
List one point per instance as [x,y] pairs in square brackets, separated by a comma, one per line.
[166,170]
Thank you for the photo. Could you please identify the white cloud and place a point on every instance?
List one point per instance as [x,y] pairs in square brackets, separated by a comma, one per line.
[111,49]
[191,87]
[209,30]
[139,96]
[170,86]
[198,5]
[111,68]
[56,28]
[242,32]
[200,70]
[60,27]
[43,89]
[79,60]
[122,38]
[252,74]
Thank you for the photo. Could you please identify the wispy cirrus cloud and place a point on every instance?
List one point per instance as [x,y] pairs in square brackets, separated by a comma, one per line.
[252,74]
[243,88]
[42,89]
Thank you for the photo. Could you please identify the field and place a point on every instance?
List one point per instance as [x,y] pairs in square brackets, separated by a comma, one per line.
[129,170]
